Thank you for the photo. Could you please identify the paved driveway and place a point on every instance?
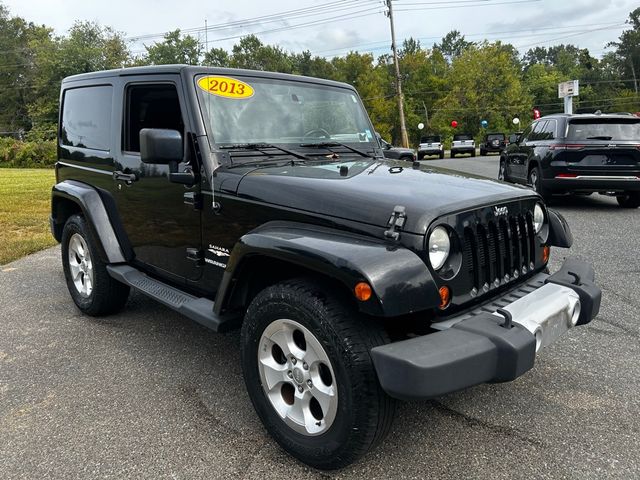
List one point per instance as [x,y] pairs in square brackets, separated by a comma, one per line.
[149,394]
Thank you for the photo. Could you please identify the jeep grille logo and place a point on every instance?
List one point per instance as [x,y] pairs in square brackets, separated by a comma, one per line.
[499,211]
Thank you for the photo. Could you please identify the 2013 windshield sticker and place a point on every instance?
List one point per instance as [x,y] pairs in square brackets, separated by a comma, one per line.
[226,87]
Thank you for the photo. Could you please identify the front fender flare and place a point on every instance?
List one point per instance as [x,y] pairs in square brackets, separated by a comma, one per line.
[400,280]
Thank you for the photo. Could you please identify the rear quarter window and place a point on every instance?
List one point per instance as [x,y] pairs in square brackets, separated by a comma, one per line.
[86,117]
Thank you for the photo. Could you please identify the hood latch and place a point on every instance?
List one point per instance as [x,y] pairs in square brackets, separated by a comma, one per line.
[396,222]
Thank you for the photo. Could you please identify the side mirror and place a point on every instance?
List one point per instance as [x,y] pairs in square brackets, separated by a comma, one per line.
[160,146]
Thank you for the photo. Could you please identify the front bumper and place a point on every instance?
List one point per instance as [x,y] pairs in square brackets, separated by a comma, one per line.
[480,348]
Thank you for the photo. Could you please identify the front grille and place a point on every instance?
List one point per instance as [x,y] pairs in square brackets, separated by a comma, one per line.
[498,251]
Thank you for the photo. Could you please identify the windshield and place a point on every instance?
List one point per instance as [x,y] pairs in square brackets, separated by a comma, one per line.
[462,136]
[495,136]
[604,129]
[247,110]
[432,139]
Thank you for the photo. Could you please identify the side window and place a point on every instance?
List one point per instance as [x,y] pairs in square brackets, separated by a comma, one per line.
[537,130]
[150,106]
[549,131]
[86,117]
[526,135]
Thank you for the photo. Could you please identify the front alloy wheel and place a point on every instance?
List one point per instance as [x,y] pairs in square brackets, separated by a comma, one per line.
[297,377]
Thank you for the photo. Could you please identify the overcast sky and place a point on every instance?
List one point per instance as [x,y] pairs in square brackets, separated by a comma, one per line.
[339,26]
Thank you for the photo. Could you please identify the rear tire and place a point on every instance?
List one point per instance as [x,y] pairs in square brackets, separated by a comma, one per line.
[91,287]
[533,179]
[298,319]
[502,171]
[629,200]
[453,155]
[483,153]
[441,155]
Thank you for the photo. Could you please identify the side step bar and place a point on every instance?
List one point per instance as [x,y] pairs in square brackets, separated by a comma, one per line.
[196,308]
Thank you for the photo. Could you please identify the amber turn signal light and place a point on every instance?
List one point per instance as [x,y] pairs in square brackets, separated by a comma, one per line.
[546,252]
[362,291]
[445,297]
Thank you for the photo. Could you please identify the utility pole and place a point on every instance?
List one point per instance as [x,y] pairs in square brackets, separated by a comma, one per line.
[403,126]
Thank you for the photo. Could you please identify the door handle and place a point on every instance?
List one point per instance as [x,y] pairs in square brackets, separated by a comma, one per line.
[125,177]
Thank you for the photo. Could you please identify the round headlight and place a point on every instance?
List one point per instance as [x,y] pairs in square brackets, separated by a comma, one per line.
[439,247]
[538,218]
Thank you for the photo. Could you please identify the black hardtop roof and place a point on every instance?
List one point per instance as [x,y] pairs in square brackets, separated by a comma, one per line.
[495,133]
[195,70]
[587,116]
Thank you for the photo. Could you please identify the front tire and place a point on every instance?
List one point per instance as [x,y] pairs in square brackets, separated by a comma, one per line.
[629,200]
[91,287]
[308,371]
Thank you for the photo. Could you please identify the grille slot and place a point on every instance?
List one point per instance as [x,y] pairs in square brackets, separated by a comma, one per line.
[498,251]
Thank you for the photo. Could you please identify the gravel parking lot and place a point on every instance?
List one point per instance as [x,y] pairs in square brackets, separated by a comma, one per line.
[149,394]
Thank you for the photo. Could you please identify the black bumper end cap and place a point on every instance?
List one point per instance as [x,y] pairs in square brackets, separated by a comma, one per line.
[474,351]
[579,276]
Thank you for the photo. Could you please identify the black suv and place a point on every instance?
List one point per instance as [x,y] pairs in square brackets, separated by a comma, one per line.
[578,154]
[493,142]
[262,202]
[399,153]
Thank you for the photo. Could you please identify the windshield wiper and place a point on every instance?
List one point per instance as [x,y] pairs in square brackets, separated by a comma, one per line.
[600,137]
[259,147]
[335,144]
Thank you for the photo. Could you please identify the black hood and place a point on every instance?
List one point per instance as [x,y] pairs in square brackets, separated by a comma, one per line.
[368,190]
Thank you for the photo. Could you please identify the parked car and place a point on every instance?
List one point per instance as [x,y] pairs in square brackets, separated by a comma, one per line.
[355,281]
[399,153]
[493,142]
[463,143]
[431,145]
[583,153]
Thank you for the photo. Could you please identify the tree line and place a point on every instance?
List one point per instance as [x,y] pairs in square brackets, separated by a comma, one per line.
[454,79]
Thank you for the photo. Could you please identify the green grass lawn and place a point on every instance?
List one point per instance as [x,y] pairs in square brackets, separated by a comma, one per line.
[25,199]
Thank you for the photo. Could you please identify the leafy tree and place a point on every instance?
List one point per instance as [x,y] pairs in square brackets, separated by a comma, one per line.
[17,65]
[251,53]
[484,83]
[216,57]
[627,53]
[174,49]
[453,45]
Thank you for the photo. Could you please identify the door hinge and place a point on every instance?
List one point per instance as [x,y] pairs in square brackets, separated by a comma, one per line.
[195,255]
[396,222]
[194,199]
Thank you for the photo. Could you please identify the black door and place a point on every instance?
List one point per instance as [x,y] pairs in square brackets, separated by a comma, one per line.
[160,226]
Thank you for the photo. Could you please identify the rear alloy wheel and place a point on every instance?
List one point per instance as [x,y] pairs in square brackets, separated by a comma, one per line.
[308,371]
[629,200]
[534,181]
[502,171]
[91,287]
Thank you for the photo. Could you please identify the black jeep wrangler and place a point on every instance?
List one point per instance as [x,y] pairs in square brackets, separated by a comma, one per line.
[262,201]
[493,142]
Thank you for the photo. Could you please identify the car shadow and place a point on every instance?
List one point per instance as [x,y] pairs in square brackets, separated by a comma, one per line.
[583,202]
